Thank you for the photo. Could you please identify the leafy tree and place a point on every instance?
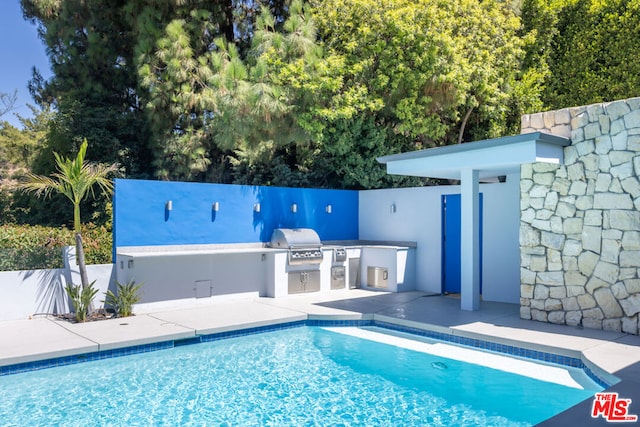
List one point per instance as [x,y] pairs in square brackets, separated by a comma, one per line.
[75,179]
[301,134]
[93,88]
[431,67]
[20,147]
[418,75]
[486,69]
[403,74]
[392,61]
[214,109]
[587,49]
[98,53]
[277,92]
[351,149]
[18,150]
[274,129]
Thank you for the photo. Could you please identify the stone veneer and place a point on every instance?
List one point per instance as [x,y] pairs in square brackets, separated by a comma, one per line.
[580,222]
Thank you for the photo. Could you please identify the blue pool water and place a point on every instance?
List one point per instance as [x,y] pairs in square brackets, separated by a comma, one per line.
[305,376]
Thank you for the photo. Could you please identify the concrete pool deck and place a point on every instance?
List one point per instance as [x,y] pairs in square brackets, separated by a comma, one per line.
[612,352]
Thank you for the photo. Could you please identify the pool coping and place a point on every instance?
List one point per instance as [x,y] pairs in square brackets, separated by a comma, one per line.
[599,376]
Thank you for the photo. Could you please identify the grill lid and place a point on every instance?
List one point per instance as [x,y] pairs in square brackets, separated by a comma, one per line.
[294,237]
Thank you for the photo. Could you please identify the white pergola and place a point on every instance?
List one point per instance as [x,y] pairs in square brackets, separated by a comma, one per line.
[470,163]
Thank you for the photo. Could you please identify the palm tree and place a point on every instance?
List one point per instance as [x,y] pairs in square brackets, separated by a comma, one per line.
[75,178]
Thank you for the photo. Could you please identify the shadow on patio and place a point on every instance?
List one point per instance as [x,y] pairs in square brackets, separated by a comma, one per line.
[423,307]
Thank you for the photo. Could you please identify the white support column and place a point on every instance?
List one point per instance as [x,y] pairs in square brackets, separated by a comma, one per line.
[470,241]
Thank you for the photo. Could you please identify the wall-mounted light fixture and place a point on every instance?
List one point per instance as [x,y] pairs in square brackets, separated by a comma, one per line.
[392,208]
[215,206]
[169,205]
[294,208]
[256,207]
[328,209]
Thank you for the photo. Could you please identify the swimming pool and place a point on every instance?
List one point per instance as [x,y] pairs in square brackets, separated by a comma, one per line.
[296,376]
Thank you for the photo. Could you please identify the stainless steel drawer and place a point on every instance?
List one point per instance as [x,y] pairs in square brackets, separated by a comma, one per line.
[338,277]
[304,281]
[377,277]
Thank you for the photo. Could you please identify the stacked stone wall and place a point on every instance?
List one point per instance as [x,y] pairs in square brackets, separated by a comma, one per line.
[580,221]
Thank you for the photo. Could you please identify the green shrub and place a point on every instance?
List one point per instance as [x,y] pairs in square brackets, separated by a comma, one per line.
[97,242]
[30,247]
[124,299]
[81,299]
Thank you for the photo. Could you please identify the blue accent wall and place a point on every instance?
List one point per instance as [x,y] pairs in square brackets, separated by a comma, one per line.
[141,217]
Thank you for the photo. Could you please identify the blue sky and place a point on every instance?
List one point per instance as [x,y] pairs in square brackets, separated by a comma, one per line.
[20,50]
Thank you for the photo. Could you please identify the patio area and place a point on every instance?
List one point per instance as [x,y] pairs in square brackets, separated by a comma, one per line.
[614,353]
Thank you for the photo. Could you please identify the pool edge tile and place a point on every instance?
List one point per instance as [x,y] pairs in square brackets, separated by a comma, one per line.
[56,354]
[469,339]
[146,341]
[249,325]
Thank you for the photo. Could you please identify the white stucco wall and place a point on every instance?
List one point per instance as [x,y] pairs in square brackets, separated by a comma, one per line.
[193,276]
[31,292]
[418,217]
[500,244]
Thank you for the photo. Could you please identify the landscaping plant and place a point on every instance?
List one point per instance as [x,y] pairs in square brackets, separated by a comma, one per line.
[75,179]
[81,298]
[122,302]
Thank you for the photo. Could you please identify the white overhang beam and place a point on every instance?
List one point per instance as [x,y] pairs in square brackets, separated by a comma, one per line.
[492,157]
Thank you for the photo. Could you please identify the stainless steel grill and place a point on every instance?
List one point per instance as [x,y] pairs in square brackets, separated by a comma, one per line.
[304,257]
[303,244]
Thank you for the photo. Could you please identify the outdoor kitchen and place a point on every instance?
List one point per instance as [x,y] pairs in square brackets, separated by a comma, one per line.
[295,261]
[190,242]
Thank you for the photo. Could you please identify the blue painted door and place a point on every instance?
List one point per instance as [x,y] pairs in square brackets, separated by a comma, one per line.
[451,245]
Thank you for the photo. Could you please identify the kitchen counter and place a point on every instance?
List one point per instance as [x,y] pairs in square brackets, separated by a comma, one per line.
[182,250]
[239,248]
[185,272]
[376,243]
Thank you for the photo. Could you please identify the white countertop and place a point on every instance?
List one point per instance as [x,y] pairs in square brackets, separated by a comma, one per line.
[247,248]
[184,250]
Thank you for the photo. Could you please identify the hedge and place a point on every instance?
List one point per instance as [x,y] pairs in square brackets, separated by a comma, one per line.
[30,247]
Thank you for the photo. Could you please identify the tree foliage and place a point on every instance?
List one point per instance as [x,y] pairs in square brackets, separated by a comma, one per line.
[19,147]
[309,94]
[587,48]
[93,88]
[245,91]
[219,108]
[419,74]
[75,179]
[18,150]
[100,54]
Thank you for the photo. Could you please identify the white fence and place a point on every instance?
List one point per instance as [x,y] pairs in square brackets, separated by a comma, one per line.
[33,292]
